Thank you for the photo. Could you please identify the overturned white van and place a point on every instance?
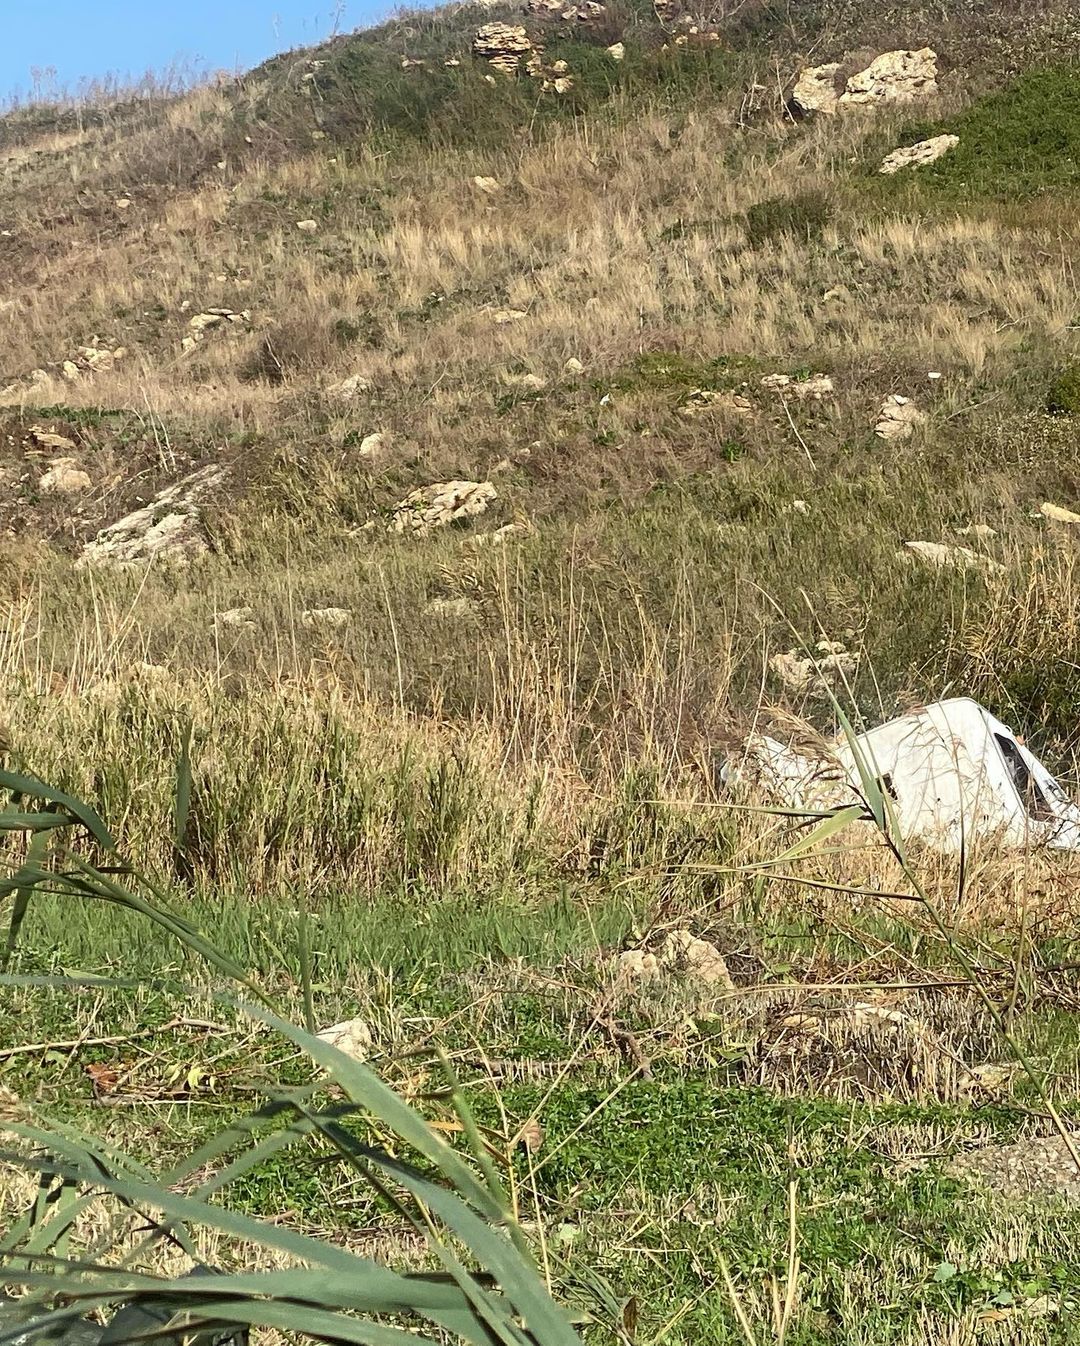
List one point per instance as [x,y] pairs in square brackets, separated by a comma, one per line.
[953,772]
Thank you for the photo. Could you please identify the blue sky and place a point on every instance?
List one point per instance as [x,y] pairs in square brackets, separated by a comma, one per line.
[83,39]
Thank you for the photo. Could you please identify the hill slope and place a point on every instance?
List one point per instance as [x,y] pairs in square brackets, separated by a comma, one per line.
[411,470]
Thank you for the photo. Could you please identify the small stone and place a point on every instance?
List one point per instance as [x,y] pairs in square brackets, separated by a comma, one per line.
[982,531]
[373,446]
[502,45]
[70,371]
[530,382]
[636,965]
[502,316]
[574,366]
[489,186]
[696,958]
[307,226]
[617,51]
[331,618]
[122,203]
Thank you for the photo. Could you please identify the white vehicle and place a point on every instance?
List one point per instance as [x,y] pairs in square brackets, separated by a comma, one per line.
[953,772]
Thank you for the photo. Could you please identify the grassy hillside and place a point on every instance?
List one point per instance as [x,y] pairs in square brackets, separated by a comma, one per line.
[497,765]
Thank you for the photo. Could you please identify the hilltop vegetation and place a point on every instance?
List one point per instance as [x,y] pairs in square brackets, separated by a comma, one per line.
[663,314]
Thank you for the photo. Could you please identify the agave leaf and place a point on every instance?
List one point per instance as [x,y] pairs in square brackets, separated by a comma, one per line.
[29,787]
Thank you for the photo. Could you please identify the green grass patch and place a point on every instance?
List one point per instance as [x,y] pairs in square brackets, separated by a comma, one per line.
[1021,141]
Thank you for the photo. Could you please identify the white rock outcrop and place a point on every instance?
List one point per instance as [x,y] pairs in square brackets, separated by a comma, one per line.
[503,46]
[893,77]
[443,503]
[170,527]
[901,76]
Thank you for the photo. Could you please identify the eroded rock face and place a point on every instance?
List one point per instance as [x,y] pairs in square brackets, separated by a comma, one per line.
[441,504]
[503,45]
[169,527]
[900,76]
[915,156]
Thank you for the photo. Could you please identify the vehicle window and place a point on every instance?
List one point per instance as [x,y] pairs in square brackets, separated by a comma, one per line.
[1027,787]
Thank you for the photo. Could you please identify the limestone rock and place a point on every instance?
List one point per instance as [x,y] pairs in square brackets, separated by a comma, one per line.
[170,526]
[502,45]
[636,965]
[373,446]
[815,388]
[489,186]
[898,417]
[243,618]
[617,51]
[680,953]
[695,958]
[349,388]
[201,323]
[352,1036]
[815,89]
[944,556]
[307,226]
[574,366]
[1058,513]
[915,156]
[45,439]
[443,503]
[64,477]
[982,531]
[711,399]
[807,675]
[328,618]
[893,77]
[501,316]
